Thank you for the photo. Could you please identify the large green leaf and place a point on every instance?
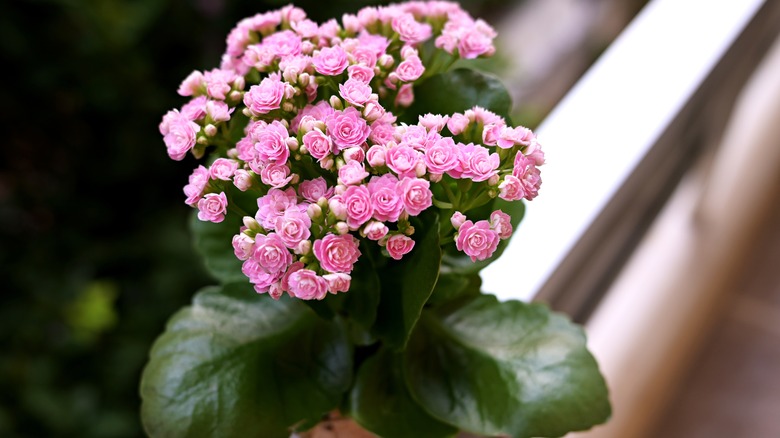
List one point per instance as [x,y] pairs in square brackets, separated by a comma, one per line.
[509,368]
[381,403]
[460,262]
[458,90]
[239,364]
[214,243]
[407,284]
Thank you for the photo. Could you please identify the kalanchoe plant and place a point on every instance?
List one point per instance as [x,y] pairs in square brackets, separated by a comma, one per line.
[355,186]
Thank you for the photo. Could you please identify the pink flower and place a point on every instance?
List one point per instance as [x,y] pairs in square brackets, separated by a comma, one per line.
[293,227]
[347,128]
[330,61]
[218,82]
[382,132]
[265,97]
[197,184]
[442,156]
[385,197]
[212,207]
[223,169]
[410,69]
[296,266]
[192,85]
[415,194]
[318,144]
[276,175]
[320,111]
[376,156]
[410,30]
[511,189]
[357,201]
[338,282]
[337,253]
[355,92]
[354,153]
[528,174]
[307,285]
[398,245]
[402,159]
[457,123]
[259,277]
[218,111]
[478,241]
[501,223]
[474,43]
[481,164]
[313,190]
[284,43]
[352,173]
[457,220]
[433,122]
[405,96]
[195,109]
[375,230]
[271,144]
[242,179]
[360,72]
[273,205]
[243,246]
[179,134]
[271,253]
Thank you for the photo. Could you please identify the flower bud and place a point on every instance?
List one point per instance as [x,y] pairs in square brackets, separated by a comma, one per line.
[303,79]
[354,154]
[239,83]
[314,211]
[385,61]
[338,209]
[376,156]
[409,230]
[235,96]
[288,107]
[304,247]
[434,177]
[341,228]
[251,223]
[210,130]
[493,180]
[292,143]
[457,220]
[327,163]
[336,103]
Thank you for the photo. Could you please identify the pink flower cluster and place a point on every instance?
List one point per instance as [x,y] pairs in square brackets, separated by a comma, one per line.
[322,150]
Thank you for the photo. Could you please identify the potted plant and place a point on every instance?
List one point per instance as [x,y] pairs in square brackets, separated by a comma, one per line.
[357,177]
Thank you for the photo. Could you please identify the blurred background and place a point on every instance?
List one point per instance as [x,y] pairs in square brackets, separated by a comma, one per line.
[95,252]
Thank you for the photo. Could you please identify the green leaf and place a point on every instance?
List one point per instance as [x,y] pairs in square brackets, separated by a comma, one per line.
[461,263]
[380,402]
[407,284]
[214,243]
[236,363]
[453,287]
[458,90]
[509,368]
[362,300]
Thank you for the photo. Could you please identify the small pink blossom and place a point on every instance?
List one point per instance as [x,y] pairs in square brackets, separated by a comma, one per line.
[457,123]
[402,159]
[218,83]
[330,61]
[415,194]
[433,122]
[212,207]
[218,111]
[242,179]
[354,153]
[313,190]
[474,43]
[382,133]
[337,253]
[271,144]
[243,246]
[360,72]
[347,128]
[501,223]
[259,277]
[375,230]
[528,174]
[276,175]
[319,111]
[352,173]
[399,245]
[442,156]
[318,144]
[271,253]
[307,285]
[385,197]
[355,92]
[478,241]
[273,205]
[410,69]
[338,282]
[265,97]
[376,156]
[511,189]
[197,184]
[481,164]
[457,220]
[192,85]
[293,227]
[357,201]
[223,169]
[410,30]
[195,109]
[179,134]
[405,96]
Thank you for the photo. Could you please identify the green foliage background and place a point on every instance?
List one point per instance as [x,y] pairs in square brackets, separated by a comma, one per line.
[95,251]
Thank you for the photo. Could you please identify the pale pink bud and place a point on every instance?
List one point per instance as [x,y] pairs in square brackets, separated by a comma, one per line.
[501,224]
[242,179]
[457,219]
[314,211]
[376,156]
[341,228]
[338,282]
[304,247]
